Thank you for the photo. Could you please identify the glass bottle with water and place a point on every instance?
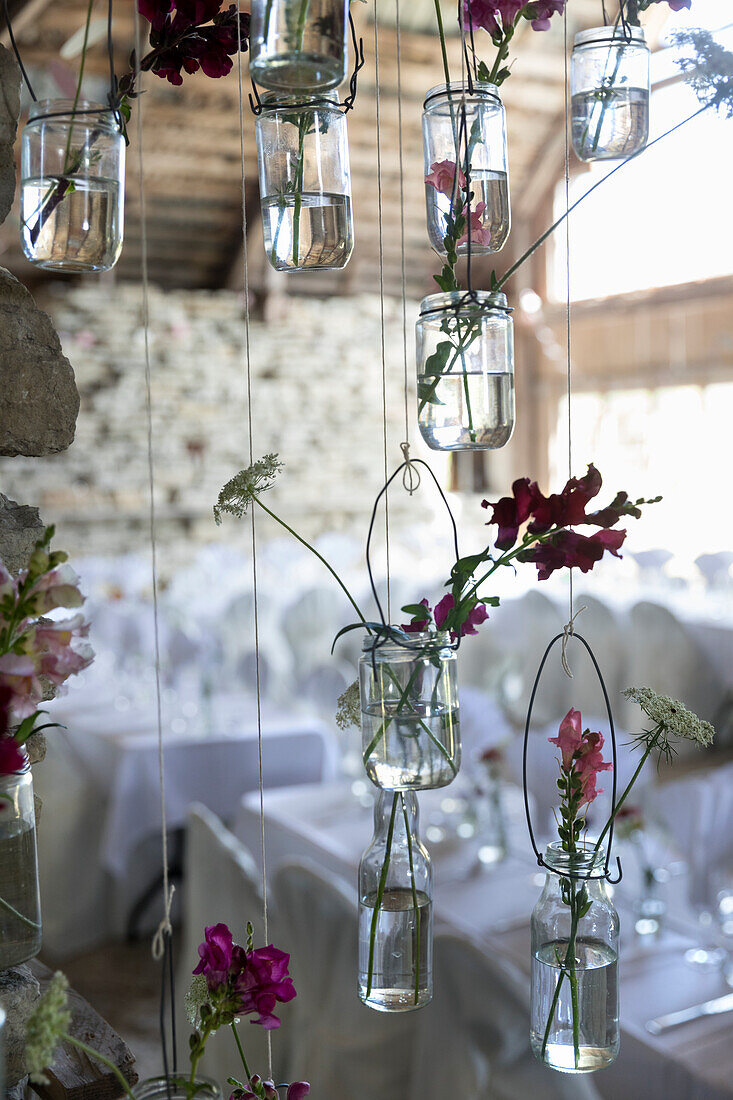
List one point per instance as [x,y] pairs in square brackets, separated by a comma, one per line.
[465,371]
[409,712]
[468,129]
[609,84]
[395,910]
[20,906]
[305,183]
[72,187]
[299,45]
[575,929]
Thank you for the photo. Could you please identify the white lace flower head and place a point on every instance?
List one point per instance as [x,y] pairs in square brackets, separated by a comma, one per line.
[236,495]
[197,996]
[671,718]
[348,712]
[47,1023]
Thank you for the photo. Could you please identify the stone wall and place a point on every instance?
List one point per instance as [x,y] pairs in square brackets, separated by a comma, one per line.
[317,401]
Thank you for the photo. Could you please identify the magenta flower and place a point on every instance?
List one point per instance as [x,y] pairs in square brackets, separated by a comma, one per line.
[569,737]
[442,177]
[542,11]
[262,983]
[216,955]
[493,16]
[267,1090]
[418,624]
[477,615]
[510,513]
[570,550]
[18,674]
[12,759]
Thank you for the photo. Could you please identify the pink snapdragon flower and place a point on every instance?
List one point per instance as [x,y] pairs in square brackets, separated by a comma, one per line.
[266,1090]
[58,588]
[442,177]
[217,955]
[480,233]
[569,737]
[58,648]
[581,754]
[542,11]
[18,673]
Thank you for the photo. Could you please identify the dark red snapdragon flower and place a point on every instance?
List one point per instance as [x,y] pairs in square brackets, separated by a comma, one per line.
[190,35]
[571,550]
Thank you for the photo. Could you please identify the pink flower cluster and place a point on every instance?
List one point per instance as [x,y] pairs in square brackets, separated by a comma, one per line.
[255,981]
[581,754]
[39,647]
[265,1090]
[499,16]
[442,176]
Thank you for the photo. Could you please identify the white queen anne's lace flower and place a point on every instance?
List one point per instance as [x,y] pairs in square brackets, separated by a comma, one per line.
[349,707]
[197,996]
[673,717]
[236,495]
[48,1022]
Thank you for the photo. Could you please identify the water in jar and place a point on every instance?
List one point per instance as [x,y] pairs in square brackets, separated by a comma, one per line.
[489,188]
[20,929]
[309,231]
[466,410]
[401,958]
[610,123]
[412,745]
[597,999]
[79,232]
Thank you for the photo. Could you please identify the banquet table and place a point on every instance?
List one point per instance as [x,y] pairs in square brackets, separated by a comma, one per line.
[100,787]
[328,825]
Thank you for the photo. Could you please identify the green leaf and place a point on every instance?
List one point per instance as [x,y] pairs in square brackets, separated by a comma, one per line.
[418,611]
[436,363]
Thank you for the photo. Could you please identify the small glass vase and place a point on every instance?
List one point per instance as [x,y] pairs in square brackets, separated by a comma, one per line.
[20,903]
[465,371]
[609,84]
[72,187]
[574,1000]
[395,910]
[409,712]
[491,826]
[305,184]
[480,150]
[299,45]
[177,1088]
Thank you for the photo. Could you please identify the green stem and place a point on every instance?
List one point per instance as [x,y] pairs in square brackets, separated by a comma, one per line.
[196,1058]
[380,893]
[313,550]
[630,784]
[414,898]
[386,724]
[298,204]
[569,959]
[266,21]
[100,1058]
[19,916]
[241,1053]
[443,50]
[302,16]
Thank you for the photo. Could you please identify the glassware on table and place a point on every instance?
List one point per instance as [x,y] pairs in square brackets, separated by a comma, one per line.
[20,903]
[395,910]
[409,712]
[491,824]
[609,86]
[574,999]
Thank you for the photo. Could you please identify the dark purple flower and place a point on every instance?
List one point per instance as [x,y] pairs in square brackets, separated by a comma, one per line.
[188,35]
[12,758]
[418,623]
[510,513]
[570,550]
[216,954]
[262,983]
[477,615]
[566,508]
[542,11]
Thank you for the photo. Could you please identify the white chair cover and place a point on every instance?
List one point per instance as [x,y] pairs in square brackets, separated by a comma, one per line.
[222,885]
[311,623]
[343,1048]
[322,686]
[473,1042]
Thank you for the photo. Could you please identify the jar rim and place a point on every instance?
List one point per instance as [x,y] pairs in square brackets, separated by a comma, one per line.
[84,109]
[427,639]
[601,36]
[483,300]
[283,101]
[156,1088]
[482,89]
[585,860]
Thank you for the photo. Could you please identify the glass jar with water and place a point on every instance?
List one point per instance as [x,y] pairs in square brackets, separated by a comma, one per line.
[395,910]
[409,712]
[305,184]
[177,1088]
[609,85]
[465,371]
[468,130]
[575,931]
[72,187]
[20,904]
[299,45]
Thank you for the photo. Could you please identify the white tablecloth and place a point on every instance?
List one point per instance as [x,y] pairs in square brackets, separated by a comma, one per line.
[99,837]
[327,824]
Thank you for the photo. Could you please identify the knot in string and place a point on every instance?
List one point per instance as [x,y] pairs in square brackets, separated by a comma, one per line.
[567,633]
[410,474]
[165,928]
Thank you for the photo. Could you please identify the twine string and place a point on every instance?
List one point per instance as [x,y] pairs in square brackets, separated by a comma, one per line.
[403,259]
[568,630]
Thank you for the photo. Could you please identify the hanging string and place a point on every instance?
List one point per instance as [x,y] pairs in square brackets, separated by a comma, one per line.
[380,219]
[255,590]
[16,51]
[161,946]
[568,324]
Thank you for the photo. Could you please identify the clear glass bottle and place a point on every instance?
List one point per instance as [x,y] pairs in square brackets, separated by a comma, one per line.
[491,826]
[609,85]
[305,184]
[72,187]
[575,931]
[395,910]
[410,730]
[299,45]
[20,903]
[177,1088]
[482,160]
[465,371]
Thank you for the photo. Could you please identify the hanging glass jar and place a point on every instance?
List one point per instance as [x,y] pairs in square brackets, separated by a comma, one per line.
[395,910]
[72,187]
[177,1088]
[299,45]
[409,712]
[478,145]
[305,184]
[465,371]
[20,903]
[609,84]
[575,965]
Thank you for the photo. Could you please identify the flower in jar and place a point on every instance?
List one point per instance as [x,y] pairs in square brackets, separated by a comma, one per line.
[442,176]
[478,233]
